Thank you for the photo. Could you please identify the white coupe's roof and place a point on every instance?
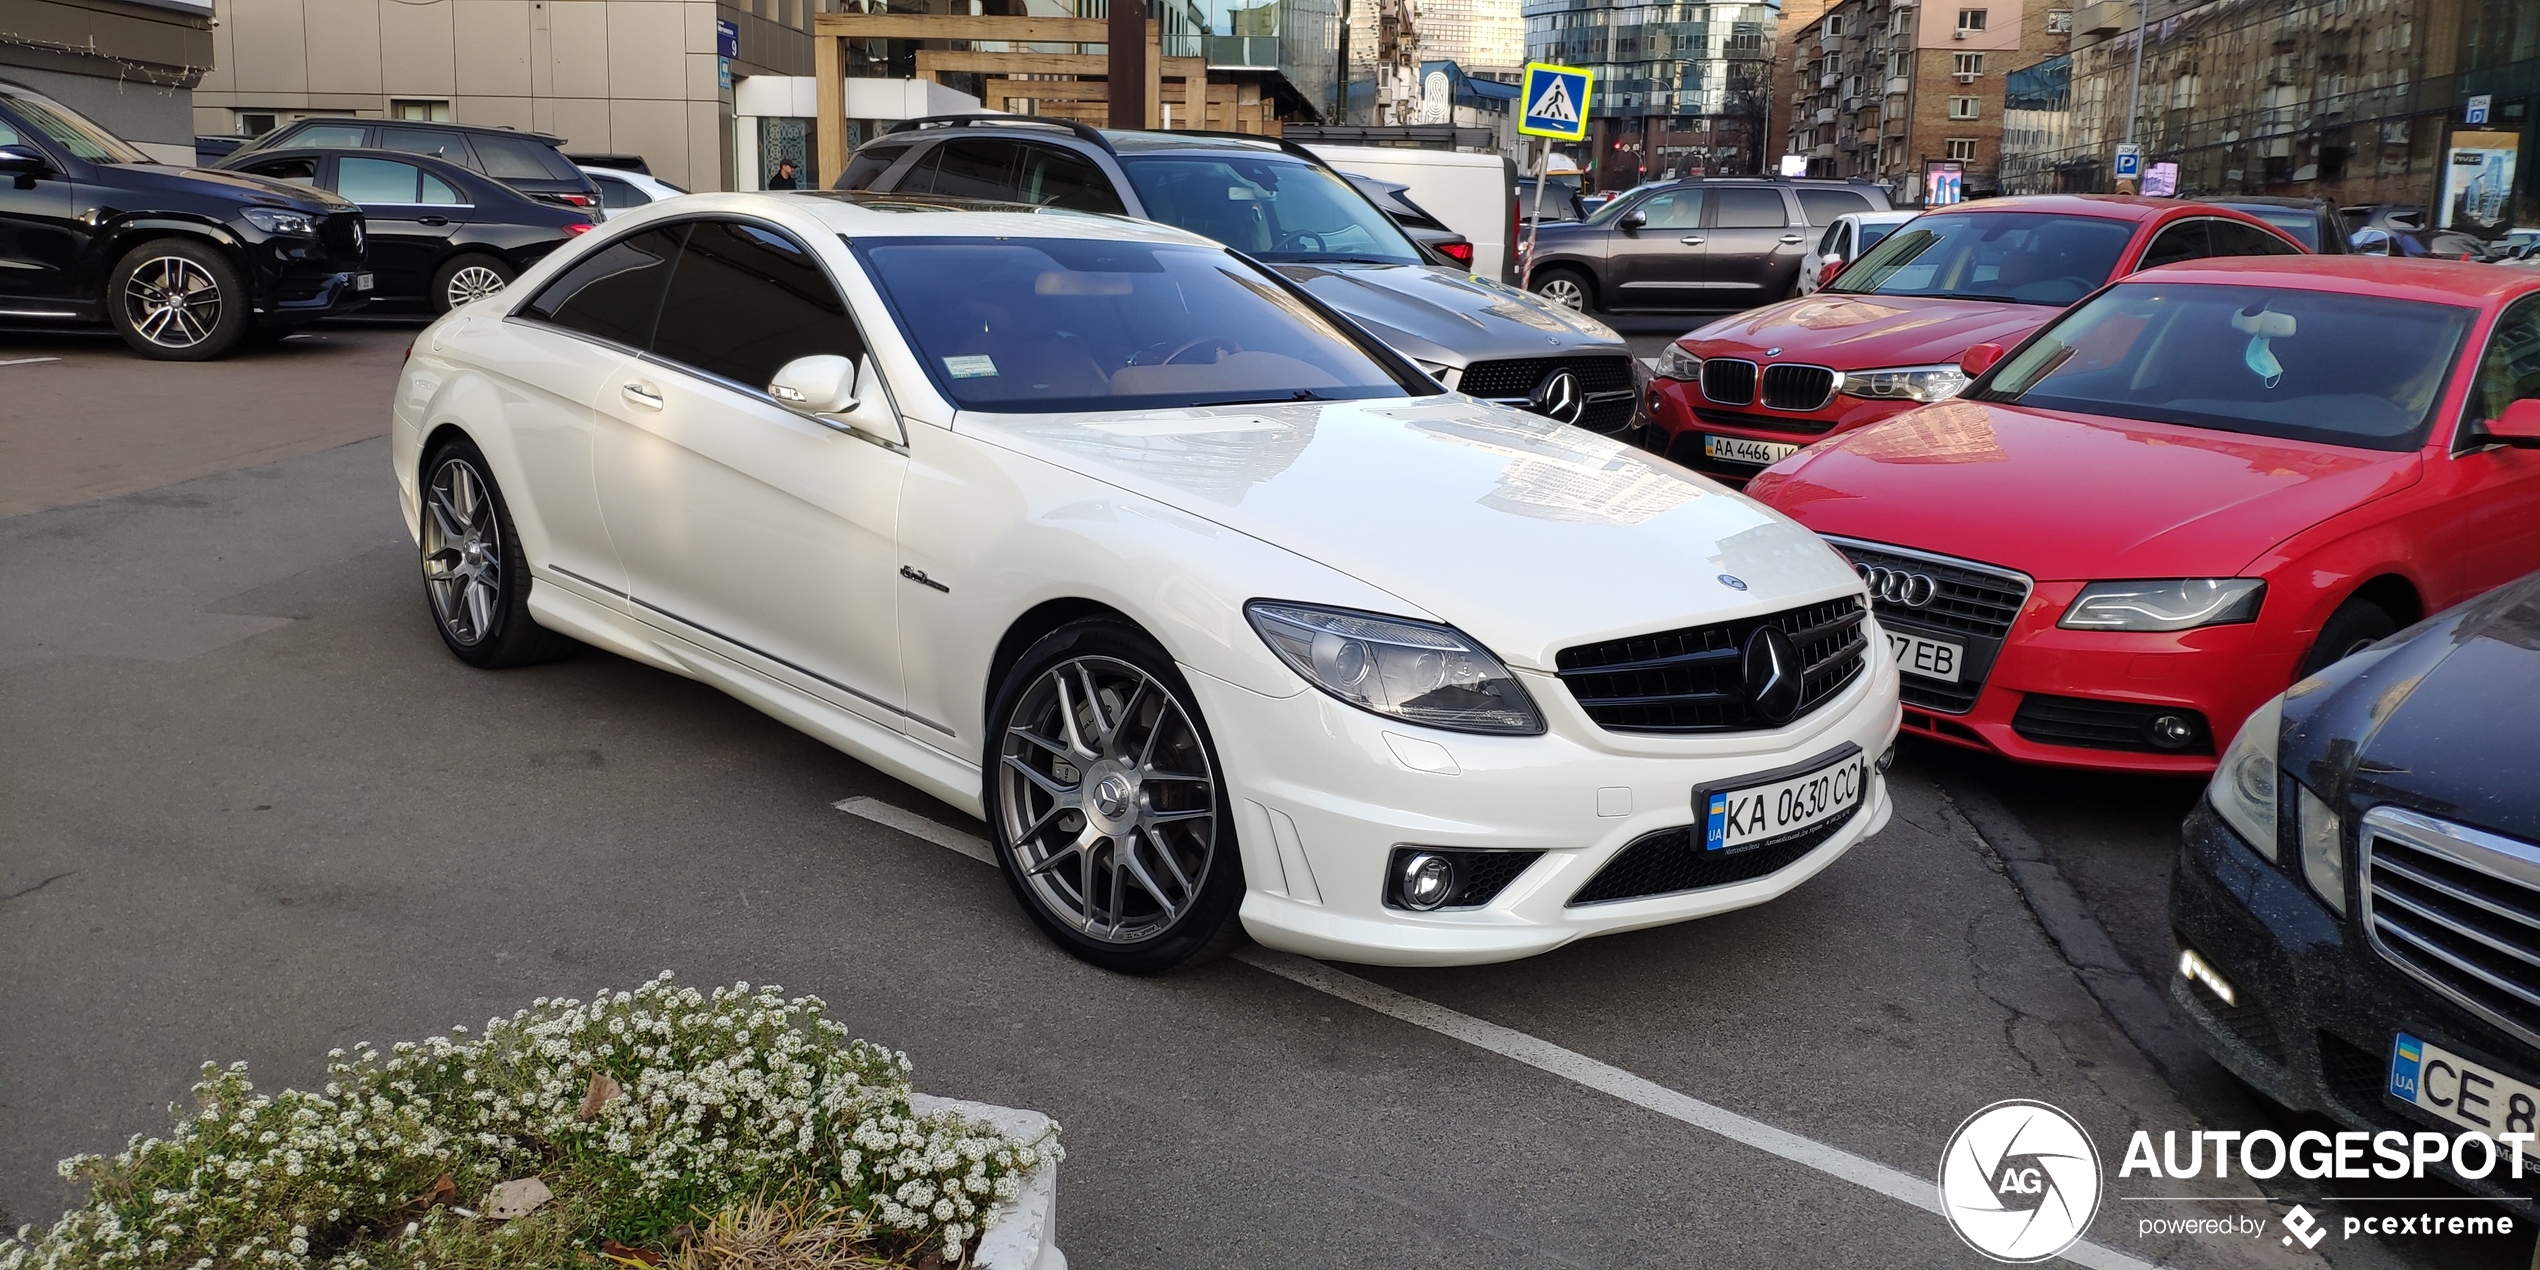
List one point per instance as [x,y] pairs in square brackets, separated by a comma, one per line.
[865,214]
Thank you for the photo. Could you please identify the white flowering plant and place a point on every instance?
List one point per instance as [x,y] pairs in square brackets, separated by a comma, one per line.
[646,1115]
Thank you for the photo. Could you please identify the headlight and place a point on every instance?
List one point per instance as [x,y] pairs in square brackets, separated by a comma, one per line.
[1676,363]
[2323,846]
[1412,671]
[2175,604]
[274,220]
[2244,784]
[1905,383]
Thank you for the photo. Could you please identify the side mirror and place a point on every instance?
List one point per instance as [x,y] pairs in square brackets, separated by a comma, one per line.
[816,385]
[1833,266]
[1979,358]
[1633,219]
[23,161]
[2518,426]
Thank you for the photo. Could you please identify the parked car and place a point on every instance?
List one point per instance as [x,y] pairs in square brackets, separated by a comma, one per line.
[2206,482]
[1467,194]
[438,232]
[1428,231]
[1281,204]
[526,161]
[1749,390]
[2418,244]
[2382,216]
[1119,545]
[621,188]
[1707,243]
[2312,222]
[185,264]
[1843,242]
[1561,201]
[2353,897]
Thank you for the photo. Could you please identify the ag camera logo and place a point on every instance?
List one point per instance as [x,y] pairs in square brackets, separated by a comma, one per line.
[2019,1181]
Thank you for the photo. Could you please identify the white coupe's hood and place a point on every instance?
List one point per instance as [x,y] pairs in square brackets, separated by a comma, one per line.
[1528,534]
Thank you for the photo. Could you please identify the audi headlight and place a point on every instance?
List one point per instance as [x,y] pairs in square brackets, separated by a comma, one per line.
[2174,604]
[1676,363]
[275,220]
[2243,790]
[1413,671]
[1905,383]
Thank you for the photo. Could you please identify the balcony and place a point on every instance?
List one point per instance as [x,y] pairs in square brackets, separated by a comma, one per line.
[1825,116]
[1828,81]
[1824,150]
[1243,52]
[1899,84]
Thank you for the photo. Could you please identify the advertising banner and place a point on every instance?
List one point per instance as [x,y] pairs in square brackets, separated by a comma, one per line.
[2478,181]
[1944,182]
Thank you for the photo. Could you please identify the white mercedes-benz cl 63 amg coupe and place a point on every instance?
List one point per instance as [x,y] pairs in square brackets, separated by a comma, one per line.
[1223,616]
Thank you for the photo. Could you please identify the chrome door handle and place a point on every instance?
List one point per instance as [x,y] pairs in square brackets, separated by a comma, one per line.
[1794,238]
[1690,242]
[643,395]
[444,220]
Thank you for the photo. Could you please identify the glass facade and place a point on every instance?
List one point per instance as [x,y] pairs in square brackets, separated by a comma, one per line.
[1680,88]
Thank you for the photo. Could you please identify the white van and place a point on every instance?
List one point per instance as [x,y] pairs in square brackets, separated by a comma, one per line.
[1475,194]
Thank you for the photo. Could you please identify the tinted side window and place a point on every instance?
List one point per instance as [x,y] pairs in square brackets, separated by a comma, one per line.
[2510,370]
[1753,207]
[615,292]
[348,136]
[2183,241]
[296,171]
[521,159]
[1062,178]
[868,165]
[617,193]
[1822,206]
[2231,238]
[440,145]
[975,169]
[1676,209]
[1826,242]
[438,193]
[376,180]
[745,300]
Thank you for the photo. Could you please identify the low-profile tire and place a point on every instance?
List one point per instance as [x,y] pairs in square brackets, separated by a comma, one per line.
[1568,288]
[472,276]
[2355,625]
[1106,804]
[178,300]
[475,580]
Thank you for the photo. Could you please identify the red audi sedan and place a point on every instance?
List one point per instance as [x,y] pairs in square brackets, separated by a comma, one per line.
[1885,335]
[2188,491]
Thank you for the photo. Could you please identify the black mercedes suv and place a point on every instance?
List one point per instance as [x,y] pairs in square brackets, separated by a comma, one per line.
[185,263]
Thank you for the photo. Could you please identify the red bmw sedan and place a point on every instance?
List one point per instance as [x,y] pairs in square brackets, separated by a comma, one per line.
[1885,335]
[2185,493]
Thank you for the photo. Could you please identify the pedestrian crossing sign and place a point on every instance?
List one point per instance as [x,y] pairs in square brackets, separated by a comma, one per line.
[1555,100]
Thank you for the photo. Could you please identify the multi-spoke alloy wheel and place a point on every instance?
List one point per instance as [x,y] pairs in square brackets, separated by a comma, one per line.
[1563,290]
[462,553]
[474,282]
[466,278]
[173,302]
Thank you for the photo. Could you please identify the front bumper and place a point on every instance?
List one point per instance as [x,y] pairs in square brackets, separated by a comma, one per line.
[2317,1009]
[1324,793]
[1680,416]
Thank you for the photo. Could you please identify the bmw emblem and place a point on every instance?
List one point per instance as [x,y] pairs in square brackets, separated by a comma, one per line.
[1732,582]
[1772,352]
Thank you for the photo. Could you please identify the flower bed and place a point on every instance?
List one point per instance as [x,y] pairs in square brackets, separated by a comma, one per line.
[658,1125]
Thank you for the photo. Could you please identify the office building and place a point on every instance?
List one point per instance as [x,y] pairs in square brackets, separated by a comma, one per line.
[1680,88]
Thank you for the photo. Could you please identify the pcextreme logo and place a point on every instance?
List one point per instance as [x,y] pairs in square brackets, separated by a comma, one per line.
[2019,1181]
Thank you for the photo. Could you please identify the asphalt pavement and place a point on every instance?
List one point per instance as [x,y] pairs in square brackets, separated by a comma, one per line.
[254,810]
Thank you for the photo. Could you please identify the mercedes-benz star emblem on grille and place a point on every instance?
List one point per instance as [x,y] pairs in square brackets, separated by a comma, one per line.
[357,235]
[1774,677]
[1899,586]
[1558,397]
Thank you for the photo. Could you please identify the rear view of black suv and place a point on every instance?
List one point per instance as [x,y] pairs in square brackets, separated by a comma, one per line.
[1704,244]
[526,161]
[186,264]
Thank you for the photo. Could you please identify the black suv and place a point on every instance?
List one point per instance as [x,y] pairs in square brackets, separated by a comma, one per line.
[1707,243]
[1279,203]
[185,263]
[526,161]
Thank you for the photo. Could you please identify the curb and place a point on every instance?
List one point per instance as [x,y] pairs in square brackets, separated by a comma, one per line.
[1020,1233]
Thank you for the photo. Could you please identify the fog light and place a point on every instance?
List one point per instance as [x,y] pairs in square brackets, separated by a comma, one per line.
[1887,758]
[2172,731]
[2195,969]
[1427,880]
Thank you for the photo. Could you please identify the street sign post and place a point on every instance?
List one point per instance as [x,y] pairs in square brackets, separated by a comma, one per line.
[2129,162]
[1552,104]
[2478,108]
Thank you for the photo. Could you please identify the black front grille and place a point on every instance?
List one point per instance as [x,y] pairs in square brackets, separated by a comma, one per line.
[1672,860]
[2108,725]
[1519,377]
[1971,604]
[1767,423]
[1728,381]
[2456,908]
[1797,387]
[345,238]
[1692,680]
[2247,1021]
[2353,1076]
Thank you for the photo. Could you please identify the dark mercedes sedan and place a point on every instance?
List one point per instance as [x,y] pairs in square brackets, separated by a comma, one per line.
[2357,900]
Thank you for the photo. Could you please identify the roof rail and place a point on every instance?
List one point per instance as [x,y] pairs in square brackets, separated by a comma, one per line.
[1294,148]
[947,121]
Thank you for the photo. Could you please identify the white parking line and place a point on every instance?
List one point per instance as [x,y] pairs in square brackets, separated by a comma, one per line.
[28,361]
[1543,1055]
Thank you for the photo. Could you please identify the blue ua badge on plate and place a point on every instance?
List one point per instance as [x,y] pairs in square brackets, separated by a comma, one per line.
[2407,1054]
[1715,827]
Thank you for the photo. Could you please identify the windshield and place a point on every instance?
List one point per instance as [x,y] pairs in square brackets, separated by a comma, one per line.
[1055,324]
[2022,257]
[65,128]
[1271,208]
[2306,365]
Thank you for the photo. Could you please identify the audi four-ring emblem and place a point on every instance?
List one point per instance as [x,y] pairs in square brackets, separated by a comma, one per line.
[1899,586]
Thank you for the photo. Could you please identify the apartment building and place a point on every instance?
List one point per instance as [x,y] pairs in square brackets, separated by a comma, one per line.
[1681,88]
[1894,91]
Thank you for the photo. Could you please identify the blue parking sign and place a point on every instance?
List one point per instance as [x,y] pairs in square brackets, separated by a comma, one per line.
[1555,102]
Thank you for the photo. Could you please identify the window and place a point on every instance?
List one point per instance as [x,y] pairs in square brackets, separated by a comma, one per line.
[519,158]
[1053,177]
[868,165]
[2231,238]
[969,169]
[431,141]
[615,292]
[348,136]
[1962,149]
[1965,107]
[296,171]
[1967,63]
[2511,369]
[1821,205]
[377,180]
[2059,21]
[1971,19]
[1675,209]
[615,193]
[1752,207]
[1834,26]
[746,300]
[2186,240]
[1826,243]
[437,193]
[254,123]
[1271,206]
[420,111]
[1900,64]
